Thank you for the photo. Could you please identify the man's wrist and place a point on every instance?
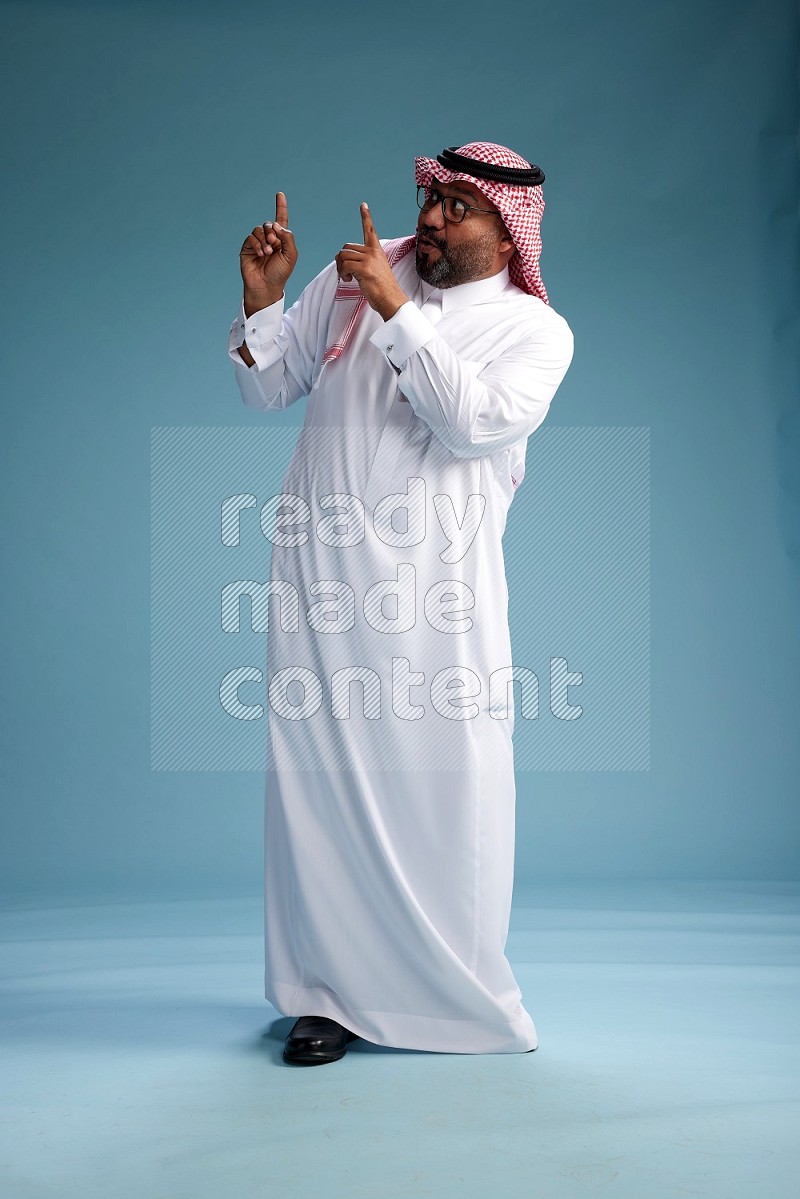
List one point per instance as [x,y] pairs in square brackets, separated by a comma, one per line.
[398,339]
[391,304]
[254,301]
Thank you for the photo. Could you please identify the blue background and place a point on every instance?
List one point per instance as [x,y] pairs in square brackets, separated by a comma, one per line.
[142,142]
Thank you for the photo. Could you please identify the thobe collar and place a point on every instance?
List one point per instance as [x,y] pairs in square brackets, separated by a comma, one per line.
[464,294]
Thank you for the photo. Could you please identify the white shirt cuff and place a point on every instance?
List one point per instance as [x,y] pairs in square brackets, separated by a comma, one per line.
[404,333]
[258,330]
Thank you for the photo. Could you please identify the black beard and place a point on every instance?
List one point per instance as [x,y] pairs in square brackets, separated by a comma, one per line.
[456,264]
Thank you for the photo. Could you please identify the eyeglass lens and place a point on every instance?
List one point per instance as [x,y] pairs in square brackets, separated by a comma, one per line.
[454,209]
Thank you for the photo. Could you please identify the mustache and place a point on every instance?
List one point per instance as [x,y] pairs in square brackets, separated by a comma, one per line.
[431,237]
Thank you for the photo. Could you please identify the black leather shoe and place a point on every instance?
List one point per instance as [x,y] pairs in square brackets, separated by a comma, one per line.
[314,1040]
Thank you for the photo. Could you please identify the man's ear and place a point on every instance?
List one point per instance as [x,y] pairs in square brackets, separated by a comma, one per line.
[506,245]
[506,240]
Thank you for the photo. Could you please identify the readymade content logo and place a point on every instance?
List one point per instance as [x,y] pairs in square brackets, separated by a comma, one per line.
[278,603]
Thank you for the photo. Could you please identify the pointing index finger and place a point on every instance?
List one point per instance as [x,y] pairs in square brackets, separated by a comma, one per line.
[281,210]
[370,236]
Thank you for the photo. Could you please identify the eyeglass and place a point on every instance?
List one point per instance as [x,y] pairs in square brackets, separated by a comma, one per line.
[453,209]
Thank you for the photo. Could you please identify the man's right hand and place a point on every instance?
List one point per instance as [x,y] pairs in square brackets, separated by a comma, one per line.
[267,259]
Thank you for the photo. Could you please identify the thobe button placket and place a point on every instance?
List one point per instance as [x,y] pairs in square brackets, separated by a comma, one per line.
[390,444]
[432,308]
[394,431]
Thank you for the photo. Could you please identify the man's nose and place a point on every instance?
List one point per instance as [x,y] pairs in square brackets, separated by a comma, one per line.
[433,217]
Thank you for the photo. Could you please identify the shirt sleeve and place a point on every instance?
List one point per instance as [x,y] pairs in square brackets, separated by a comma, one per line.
[477,414]
[287,347]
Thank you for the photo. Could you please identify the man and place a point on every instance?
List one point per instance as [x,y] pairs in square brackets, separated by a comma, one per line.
[389,830]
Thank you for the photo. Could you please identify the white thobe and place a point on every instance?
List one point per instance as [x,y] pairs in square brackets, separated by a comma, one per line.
[390,804]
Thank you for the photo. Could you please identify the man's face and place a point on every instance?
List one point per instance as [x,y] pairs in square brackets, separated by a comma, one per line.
[448,254]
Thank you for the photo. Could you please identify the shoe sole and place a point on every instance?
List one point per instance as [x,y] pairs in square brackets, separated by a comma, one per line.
[311,1059]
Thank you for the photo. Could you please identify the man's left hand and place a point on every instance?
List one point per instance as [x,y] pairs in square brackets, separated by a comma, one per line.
[369,265]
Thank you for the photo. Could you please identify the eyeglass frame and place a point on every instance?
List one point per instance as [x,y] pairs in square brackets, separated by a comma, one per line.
[443,199]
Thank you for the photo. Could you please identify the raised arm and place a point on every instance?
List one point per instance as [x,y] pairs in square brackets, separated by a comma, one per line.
[477,413]
[274,353]
[266,259]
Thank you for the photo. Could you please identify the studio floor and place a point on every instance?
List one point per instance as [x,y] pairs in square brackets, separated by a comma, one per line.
[140,1060]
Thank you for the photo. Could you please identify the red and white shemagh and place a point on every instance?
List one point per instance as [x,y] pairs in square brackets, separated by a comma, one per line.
[520,206]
